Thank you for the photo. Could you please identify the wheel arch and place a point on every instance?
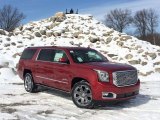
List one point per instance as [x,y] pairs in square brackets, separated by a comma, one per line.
[26,71]
[78,79]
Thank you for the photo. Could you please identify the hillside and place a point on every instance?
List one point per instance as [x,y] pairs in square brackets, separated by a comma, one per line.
[80,30]
[84,31]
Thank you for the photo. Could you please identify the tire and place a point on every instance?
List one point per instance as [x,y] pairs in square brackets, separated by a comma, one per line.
[29,84]
[82,95]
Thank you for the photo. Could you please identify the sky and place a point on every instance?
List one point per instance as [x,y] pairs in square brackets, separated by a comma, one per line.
[39,9]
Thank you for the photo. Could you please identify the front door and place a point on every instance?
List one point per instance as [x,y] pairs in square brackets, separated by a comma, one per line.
[62,71]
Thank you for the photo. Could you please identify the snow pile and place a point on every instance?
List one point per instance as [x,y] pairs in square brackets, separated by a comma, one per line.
[79,30]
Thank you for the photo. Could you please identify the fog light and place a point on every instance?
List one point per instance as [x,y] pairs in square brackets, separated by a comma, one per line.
[108,95]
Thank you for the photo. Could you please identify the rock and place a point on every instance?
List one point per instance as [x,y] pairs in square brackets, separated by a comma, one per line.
[119,43]
[145,74]
[15,55]
[140,51]
[152,55]
[49,33]
[129,56]
[44,36]
[20,46]
[13,43]
[8,39]
[93,39]
[43,32]
[110,32]
[156,63]
[37,34]
[112,55]
[5,65]
[6,45]
[143,63]
[106,34]
[10,34]
[2,32]
[80,37]
[71,42]
[137,47]
[134,62]
[157,70]
[29,28]
[60,16]
[52,26]
[19,42]
[124,38]
[98,43]
[116,38]
[20,28]
[57,34]
[17,32]
[108,40]
[52,19]
[52,43]
[76,34]
[32,44]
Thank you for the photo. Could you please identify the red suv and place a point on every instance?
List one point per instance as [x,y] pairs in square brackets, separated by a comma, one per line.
[83,72]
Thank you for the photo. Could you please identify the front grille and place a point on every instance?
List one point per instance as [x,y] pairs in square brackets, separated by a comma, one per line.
[125,78]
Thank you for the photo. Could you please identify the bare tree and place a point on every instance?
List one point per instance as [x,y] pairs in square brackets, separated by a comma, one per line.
[10,18]
[146,22]
[140,22]
[152,21]
[118,19]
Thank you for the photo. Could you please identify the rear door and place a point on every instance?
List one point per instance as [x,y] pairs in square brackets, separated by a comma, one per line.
[44,69]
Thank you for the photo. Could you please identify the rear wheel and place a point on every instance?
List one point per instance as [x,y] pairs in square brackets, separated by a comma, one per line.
[82,95]
[29,83]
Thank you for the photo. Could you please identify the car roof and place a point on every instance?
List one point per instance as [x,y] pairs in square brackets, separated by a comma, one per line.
[59,47]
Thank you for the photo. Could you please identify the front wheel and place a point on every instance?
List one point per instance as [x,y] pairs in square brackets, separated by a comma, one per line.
[82,95]
[29,84]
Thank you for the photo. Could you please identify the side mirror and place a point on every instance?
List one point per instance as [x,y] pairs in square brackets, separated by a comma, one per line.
[63,60]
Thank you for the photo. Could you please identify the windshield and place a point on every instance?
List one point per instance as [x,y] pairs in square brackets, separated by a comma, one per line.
[86,56]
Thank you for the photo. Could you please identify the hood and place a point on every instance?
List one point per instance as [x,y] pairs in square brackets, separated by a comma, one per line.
[109,66]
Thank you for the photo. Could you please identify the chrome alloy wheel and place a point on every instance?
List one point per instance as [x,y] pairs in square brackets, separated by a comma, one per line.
[82,95]
[28,84]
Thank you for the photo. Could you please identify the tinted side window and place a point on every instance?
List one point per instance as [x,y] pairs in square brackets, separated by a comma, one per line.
[46,55]
[28,53]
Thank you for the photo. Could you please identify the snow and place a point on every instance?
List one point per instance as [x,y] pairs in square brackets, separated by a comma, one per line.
[16,103]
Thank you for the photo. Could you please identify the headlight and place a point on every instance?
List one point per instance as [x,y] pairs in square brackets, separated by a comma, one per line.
[103,76]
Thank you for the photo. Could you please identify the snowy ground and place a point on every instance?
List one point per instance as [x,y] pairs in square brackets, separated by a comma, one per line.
[16,103]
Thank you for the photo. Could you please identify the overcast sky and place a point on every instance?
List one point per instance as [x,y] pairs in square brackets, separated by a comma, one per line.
[38,9]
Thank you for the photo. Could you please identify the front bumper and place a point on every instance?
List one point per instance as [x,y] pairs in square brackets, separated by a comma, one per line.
[109,92]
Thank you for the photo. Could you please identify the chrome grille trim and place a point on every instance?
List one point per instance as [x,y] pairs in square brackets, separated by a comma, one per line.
[125,78]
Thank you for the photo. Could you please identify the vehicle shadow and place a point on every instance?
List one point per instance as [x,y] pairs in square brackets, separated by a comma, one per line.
[137,101]
[55,92]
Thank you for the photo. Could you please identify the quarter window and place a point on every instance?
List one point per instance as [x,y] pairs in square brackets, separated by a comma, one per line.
[28,54]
